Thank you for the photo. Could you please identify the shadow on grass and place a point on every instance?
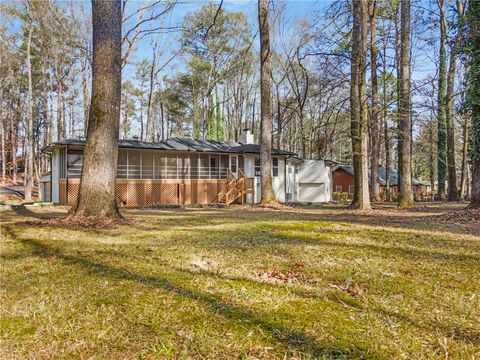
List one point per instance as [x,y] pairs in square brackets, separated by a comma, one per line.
[25,211]
[290,338]
[342,298]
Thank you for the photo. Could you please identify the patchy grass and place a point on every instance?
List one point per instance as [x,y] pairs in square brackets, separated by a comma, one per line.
[242,282]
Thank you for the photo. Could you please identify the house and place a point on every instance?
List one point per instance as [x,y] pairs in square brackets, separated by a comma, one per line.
[343,182]
[186,171]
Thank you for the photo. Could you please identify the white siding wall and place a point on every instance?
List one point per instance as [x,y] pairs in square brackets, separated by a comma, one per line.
[315,179]
[249,170]
[278,182]
[55,175]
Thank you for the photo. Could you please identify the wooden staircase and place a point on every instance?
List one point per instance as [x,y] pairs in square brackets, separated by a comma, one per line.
[236,188]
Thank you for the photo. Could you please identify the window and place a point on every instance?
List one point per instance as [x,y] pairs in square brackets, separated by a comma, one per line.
[122,164]
[134,164]
[171,166]
[193,166]
[147,165]
[204,168]
[183,166]
[338,188]
[214,166]
[275,167]
[223,166]
[62,158]
[257,166]
[233,163]
[351,189]
[74,163]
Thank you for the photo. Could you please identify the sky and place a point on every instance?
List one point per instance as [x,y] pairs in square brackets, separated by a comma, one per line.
[294,10]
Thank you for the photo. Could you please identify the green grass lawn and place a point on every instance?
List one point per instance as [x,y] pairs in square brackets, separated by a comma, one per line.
[317,282]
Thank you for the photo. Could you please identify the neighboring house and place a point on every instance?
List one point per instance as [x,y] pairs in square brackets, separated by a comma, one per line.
[343,182]
[185,171]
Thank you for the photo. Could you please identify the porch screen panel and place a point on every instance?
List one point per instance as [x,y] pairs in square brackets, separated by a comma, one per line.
[74,164]
[160,166]
[214,166]
[134,164]
[204,168]
[193,166]
[122,164]
[183,166]
[63,167]
[147,165]
[224,165]
[171,166]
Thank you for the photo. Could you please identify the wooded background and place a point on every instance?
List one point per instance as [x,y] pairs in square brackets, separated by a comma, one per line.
[196,74]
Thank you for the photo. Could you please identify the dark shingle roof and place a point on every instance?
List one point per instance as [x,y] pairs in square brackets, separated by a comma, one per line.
[382,175]
[181,144]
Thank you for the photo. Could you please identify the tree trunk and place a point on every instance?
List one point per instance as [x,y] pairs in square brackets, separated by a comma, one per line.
[473,97]
[358,106]
[268,195]
[28,180]
[374,125]
[60,113]
[405,197]
[386,135]
[149,132]
[4,158]
[97,185]
[452,170]
[442,116]
[85,91]
[463,177]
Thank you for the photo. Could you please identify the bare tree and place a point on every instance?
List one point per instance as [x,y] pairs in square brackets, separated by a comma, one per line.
[374,111]
[268,195]
[453,194]
[97,185]
[28,181]
[358,105]
[405,197]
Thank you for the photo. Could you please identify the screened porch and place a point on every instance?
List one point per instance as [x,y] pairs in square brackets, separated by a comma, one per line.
[152,165]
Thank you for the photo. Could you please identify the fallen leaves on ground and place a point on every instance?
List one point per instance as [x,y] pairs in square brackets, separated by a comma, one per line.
[351,287]
[291,275]
[92,222]
[462,215]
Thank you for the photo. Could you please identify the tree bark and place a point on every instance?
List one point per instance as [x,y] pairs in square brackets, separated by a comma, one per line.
[473,97]
[463,177]
[60,112]
[405,197]
[85,91]
[452,170]
[28,180]
[358,106]
[97,185]
[374,124]
[268,195]
[442,116]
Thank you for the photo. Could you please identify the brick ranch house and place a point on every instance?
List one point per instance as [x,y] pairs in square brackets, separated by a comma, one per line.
[186,171]
[343,182]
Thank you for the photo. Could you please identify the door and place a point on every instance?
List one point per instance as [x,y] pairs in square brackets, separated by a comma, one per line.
[234,165]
